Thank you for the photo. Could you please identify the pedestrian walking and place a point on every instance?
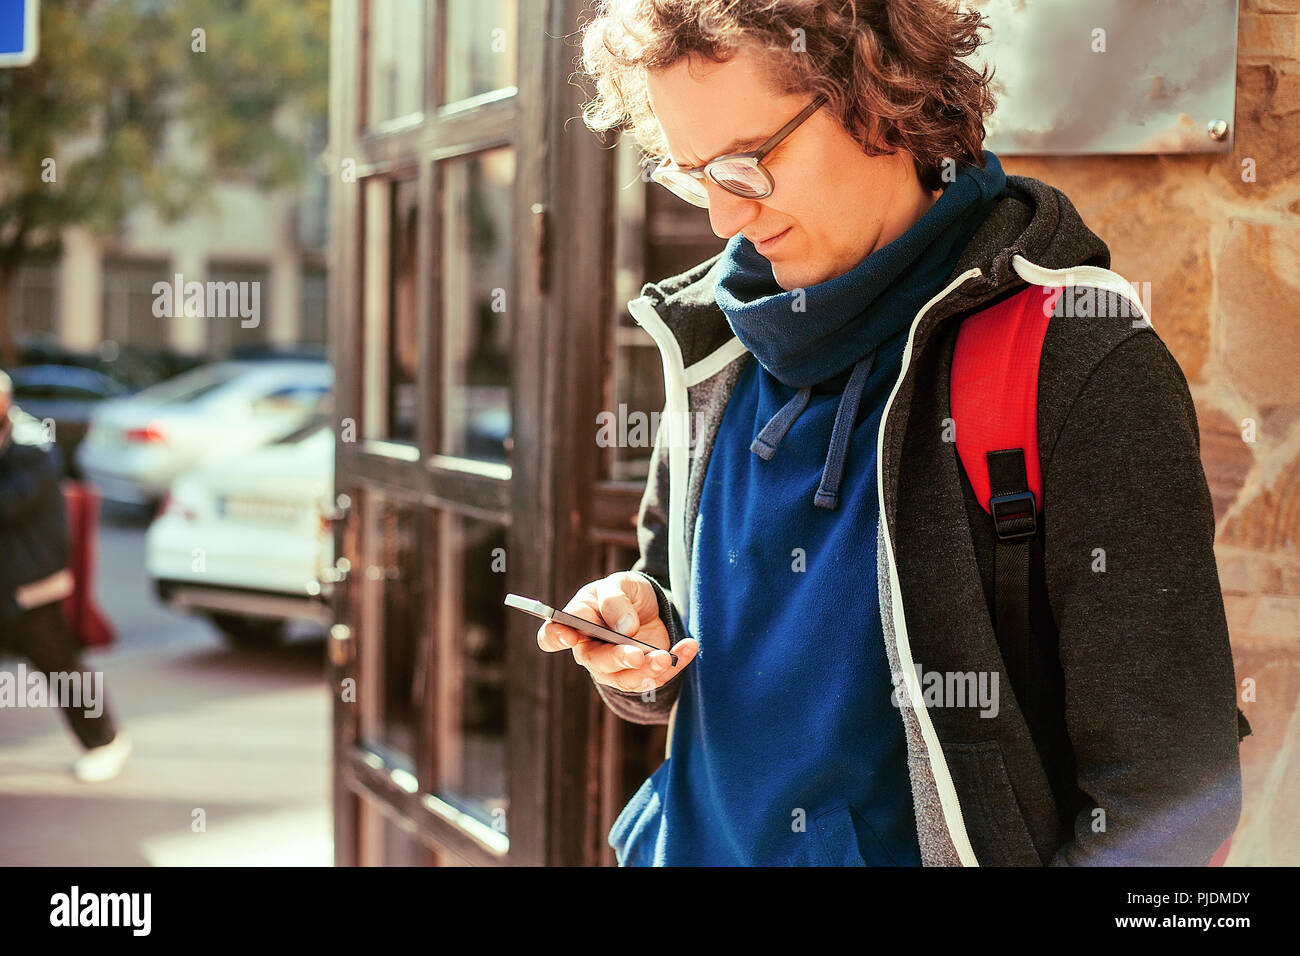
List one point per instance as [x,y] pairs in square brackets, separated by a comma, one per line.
[34,581]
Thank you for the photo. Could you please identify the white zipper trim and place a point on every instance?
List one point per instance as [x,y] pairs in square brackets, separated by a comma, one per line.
[939,767]
[1035,274]
[675,410]
[715,361]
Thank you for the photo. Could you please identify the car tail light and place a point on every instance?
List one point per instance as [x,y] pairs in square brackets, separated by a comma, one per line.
[153,433]
[171,506]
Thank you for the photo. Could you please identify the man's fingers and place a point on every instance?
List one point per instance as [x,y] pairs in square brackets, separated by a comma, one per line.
[635,682]
[556,637]
[685,650]
[625,600]
[607,658]
[553,636]
[640,679]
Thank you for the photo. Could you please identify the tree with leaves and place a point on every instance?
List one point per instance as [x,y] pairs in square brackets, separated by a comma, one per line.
[136,102]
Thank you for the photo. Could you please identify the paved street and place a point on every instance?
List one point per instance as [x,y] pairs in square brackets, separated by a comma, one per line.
[241,735]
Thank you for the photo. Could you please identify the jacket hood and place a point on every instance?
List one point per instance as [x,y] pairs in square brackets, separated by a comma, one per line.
[1032,219]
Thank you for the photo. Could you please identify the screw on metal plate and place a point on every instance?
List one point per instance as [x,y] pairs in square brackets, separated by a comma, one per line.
[1218,130]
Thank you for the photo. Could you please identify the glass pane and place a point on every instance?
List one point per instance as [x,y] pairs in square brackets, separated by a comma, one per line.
[480,51]
[471,723]
[393,568]
[639,402]
[383,843]
[476,327]
[395,74]
[402,848]
[403,342]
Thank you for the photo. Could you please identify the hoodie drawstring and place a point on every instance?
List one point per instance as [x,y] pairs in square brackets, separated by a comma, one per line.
[767,440]
[764,444]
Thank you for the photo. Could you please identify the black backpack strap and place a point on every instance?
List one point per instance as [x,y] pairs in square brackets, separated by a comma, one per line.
[1015,522]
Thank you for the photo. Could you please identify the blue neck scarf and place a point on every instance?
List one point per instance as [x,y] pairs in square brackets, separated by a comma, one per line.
[841,323]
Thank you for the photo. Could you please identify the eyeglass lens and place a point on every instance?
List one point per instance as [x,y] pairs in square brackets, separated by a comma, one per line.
[743,179]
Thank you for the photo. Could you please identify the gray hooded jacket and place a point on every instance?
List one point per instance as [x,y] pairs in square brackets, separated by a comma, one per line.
[1136,759]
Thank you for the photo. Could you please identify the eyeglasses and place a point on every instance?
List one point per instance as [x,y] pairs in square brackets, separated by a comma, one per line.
[741,174]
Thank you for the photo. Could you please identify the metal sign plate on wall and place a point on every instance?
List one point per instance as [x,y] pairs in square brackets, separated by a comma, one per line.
[1110,76]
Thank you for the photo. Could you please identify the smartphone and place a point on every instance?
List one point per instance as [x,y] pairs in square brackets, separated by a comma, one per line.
[546,613]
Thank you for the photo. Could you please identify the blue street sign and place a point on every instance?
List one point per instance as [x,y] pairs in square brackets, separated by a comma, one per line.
[18,19]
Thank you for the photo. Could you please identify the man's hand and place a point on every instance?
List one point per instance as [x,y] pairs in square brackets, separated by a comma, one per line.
[626,603]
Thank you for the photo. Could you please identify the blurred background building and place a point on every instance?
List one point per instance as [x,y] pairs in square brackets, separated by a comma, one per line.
[96,296]
[155,155]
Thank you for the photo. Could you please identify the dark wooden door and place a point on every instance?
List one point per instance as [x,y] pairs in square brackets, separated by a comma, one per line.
[483,247]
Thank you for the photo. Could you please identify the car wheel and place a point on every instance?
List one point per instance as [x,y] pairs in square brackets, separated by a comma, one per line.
[246,632]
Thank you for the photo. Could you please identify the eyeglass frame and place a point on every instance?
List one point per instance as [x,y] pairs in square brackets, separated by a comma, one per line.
[754,156]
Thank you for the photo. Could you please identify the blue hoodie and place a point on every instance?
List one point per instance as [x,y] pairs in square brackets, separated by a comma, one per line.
[787,748]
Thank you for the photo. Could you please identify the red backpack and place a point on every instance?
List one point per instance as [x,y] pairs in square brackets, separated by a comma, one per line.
[994,395]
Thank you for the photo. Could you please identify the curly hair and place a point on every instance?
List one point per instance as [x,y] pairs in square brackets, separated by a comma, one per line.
[892,70]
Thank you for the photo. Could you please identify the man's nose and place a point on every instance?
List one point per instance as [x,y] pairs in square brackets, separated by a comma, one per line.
[729,213]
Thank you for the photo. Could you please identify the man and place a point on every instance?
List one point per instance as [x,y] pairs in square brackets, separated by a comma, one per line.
[819,539]
[34,580]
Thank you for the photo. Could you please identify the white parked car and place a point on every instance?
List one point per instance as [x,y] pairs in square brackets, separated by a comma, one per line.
[249,543]
[138,444]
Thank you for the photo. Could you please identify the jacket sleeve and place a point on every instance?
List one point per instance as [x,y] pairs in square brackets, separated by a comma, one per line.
[1150,694]
[652,707]
[25,482]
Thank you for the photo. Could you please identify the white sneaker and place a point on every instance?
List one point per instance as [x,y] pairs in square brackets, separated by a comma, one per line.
[103,763]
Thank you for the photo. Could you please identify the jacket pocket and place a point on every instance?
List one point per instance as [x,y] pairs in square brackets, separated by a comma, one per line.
[636,829]
[844,833]
[994,822]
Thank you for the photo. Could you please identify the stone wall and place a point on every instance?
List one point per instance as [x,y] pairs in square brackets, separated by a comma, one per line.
[1218,239]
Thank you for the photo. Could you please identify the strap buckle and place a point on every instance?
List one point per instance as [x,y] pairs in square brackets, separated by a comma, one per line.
[1015,516]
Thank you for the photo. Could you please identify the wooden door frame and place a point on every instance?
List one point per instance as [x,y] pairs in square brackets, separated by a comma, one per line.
[562,288]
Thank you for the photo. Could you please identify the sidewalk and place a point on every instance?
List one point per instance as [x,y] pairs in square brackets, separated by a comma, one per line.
[242,736]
